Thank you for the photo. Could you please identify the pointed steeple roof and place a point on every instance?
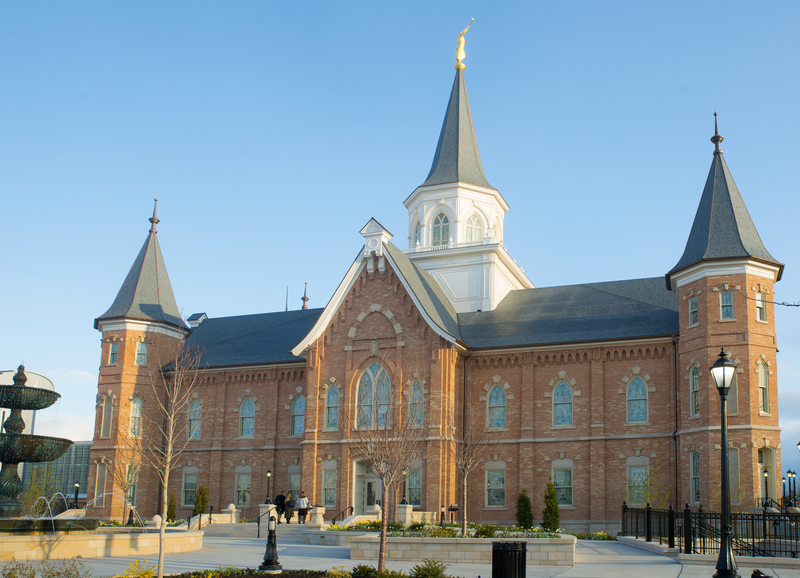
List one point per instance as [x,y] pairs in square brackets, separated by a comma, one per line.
[146,294]
[457,158]
[722,227]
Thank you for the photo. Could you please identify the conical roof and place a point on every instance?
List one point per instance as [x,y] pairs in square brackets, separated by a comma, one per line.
[722,228]
[457,158]
[146,294]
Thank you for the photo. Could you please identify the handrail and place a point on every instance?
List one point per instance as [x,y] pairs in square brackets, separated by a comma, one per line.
[739,545]
[258,521]
[350,508]
[770,503]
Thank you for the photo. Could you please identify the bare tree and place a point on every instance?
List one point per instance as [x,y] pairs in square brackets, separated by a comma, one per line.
[127,463]
[174,370]
[387,433]
[470,450]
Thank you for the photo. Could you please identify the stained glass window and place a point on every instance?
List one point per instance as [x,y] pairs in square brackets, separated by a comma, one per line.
[414,484]
[763,388]
[298,416]
[562,405]
[495,488]
[416,404]
[693,317]
[726,300]
[242,489]
[637,400]
[141,354]
[694,393]
[195,415]
[374,397]
[695,485]
[247,418]
[332,407]
[496,409]
[637,484]
[136,417]
[329,487]
[562,480]
[189,489]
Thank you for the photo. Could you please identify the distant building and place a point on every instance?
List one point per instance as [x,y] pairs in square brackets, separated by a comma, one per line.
[602,387]
[72,467]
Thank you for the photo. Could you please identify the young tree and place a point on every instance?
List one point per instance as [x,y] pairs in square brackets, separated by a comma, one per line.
[469,451]
[174,371]
[201,501]
[551,517]
[387,435]
[127,464]
[171,508]
[41,483]
[524,510]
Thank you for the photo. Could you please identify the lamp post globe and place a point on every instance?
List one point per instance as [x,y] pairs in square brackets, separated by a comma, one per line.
[77,487]
[723,372]
[766,487]
[269,477]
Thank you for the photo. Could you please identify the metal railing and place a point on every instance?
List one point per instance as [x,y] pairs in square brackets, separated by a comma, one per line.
[764,533]
[343,514]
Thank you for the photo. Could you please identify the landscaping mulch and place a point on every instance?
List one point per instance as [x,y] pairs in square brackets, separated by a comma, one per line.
[253,573]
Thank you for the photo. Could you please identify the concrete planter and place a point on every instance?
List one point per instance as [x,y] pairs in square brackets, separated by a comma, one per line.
[327,538]
[541,551]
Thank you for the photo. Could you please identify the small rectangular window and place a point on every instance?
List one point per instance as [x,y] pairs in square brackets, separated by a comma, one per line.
[726,301]
[562,480]
[693,317]
[414,484]
[495,488]
[637,484]
[112,353]
[242,489]
[141,354]
[695,475]
[132,479]
[189,489]
[294,485]
[329,487]
[761,307]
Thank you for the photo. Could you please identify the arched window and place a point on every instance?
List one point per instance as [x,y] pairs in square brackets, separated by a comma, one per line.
[374,394]
[105,424]
[247,418]
[473,229]
[332,408]
[195,414]
[298,416]
[416,404]
[441,230]
[637,400]
[562,404]
[136,417]
[763,387]
[417,235]
[496,408]
[694,392]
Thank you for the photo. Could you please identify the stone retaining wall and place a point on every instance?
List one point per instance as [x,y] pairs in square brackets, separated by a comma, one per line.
[327,538]
[89,545]
[541,551]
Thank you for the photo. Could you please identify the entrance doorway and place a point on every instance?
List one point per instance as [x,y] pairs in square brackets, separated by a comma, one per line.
[366,489]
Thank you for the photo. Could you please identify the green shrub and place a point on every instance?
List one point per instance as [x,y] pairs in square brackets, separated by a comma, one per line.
[551,517]
[524,510]
[139,569]
[438,532]
[364,571]
[171,507]
[416,526]
[429,569]
[484,531]
[201,500]
[395,526]
[392,574]
[338,572]
[18,569]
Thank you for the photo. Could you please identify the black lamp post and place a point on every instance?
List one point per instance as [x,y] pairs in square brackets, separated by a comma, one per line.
[766,487]
[442,522]
[270,564]
[793,490]
[77,487]
[269,477]
[783,486]
[723,372]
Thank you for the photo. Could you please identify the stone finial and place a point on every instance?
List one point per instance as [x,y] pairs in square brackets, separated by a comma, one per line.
[154,220]
[304,298]
[717,138]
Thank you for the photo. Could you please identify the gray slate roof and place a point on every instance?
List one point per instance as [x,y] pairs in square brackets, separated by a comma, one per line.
[427,291]
[252,339]
[722,227]
[575,313]
[457,158]
[146,294]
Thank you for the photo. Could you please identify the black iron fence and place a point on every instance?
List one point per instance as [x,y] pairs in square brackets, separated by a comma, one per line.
[766,533]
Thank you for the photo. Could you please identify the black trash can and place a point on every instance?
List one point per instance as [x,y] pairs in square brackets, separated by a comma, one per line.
[508,559]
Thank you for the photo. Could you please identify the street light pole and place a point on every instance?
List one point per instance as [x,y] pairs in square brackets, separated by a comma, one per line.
[766,487]
[269,477]
[77,487]
[723,372]
[783,489]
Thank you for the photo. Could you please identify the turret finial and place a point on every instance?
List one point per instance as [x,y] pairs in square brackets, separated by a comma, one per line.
[20,378]
[154,220]
[717,138]
[460,48]
[305,297]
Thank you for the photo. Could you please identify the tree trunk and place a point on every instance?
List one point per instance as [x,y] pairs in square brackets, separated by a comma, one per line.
[162,530]
[463,504]
[382,546]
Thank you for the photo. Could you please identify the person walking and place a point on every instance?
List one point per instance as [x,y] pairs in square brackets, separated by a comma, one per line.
[302,508]
[289,509]
[280,505]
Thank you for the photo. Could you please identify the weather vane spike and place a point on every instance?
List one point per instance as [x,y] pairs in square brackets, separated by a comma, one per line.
[154,220]
[717,138]
[460,49]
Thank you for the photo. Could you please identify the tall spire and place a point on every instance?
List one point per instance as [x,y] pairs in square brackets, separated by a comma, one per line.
[722,228]
[146,294]
[154,220]
[457,157]
[305,297]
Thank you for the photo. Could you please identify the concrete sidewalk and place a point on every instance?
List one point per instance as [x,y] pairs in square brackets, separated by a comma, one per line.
[594,560]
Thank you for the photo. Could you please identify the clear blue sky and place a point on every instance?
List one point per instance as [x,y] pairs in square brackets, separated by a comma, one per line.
[272,131]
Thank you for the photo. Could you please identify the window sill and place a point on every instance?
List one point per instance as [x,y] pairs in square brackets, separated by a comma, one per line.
[566,507]
[635,423]
[115,364]
[693,326]
[246,437]
[760,321]
[330,429]
[495,508]
[764,414]
[562,427]
[727,320]
[698,416]
[492,429]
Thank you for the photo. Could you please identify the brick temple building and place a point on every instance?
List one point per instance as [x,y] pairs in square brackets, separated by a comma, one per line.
[603,387]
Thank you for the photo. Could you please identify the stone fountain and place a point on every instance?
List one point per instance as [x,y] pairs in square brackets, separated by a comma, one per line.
[17,447]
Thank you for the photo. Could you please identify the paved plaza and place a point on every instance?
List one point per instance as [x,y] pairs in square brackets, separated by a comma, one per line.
[594,560]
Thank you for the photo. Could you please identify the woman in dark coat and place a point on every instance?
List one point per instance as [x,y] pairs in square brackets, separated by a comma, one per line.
[280,505]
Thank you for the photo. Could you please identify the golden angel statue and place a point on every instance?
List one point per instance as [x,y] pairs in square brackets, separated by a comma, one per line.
[460,49]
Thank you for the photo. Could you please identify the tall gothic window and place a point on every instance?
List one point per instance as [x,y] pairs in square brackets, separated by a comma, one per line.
[374,396]
[136,417]
[496,408]
[112,353]
[141,353]
[694,392]
[105,423]
[332,408]
[298,416]
[695,477]
[416,404]
[761,307]
[473,229]
[562,404]
[763,387]
[195,416]
[247,418]
[417,235]
[637,400]
[441,230]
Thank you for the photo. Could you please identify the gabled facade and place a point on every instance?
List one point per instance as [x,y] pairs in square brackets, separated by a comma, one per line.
[601,387]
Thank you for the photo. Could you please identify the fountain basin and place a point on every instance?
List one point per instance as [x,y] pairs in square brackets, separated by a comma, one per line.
[23,397]
[37,526]
[16,448]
